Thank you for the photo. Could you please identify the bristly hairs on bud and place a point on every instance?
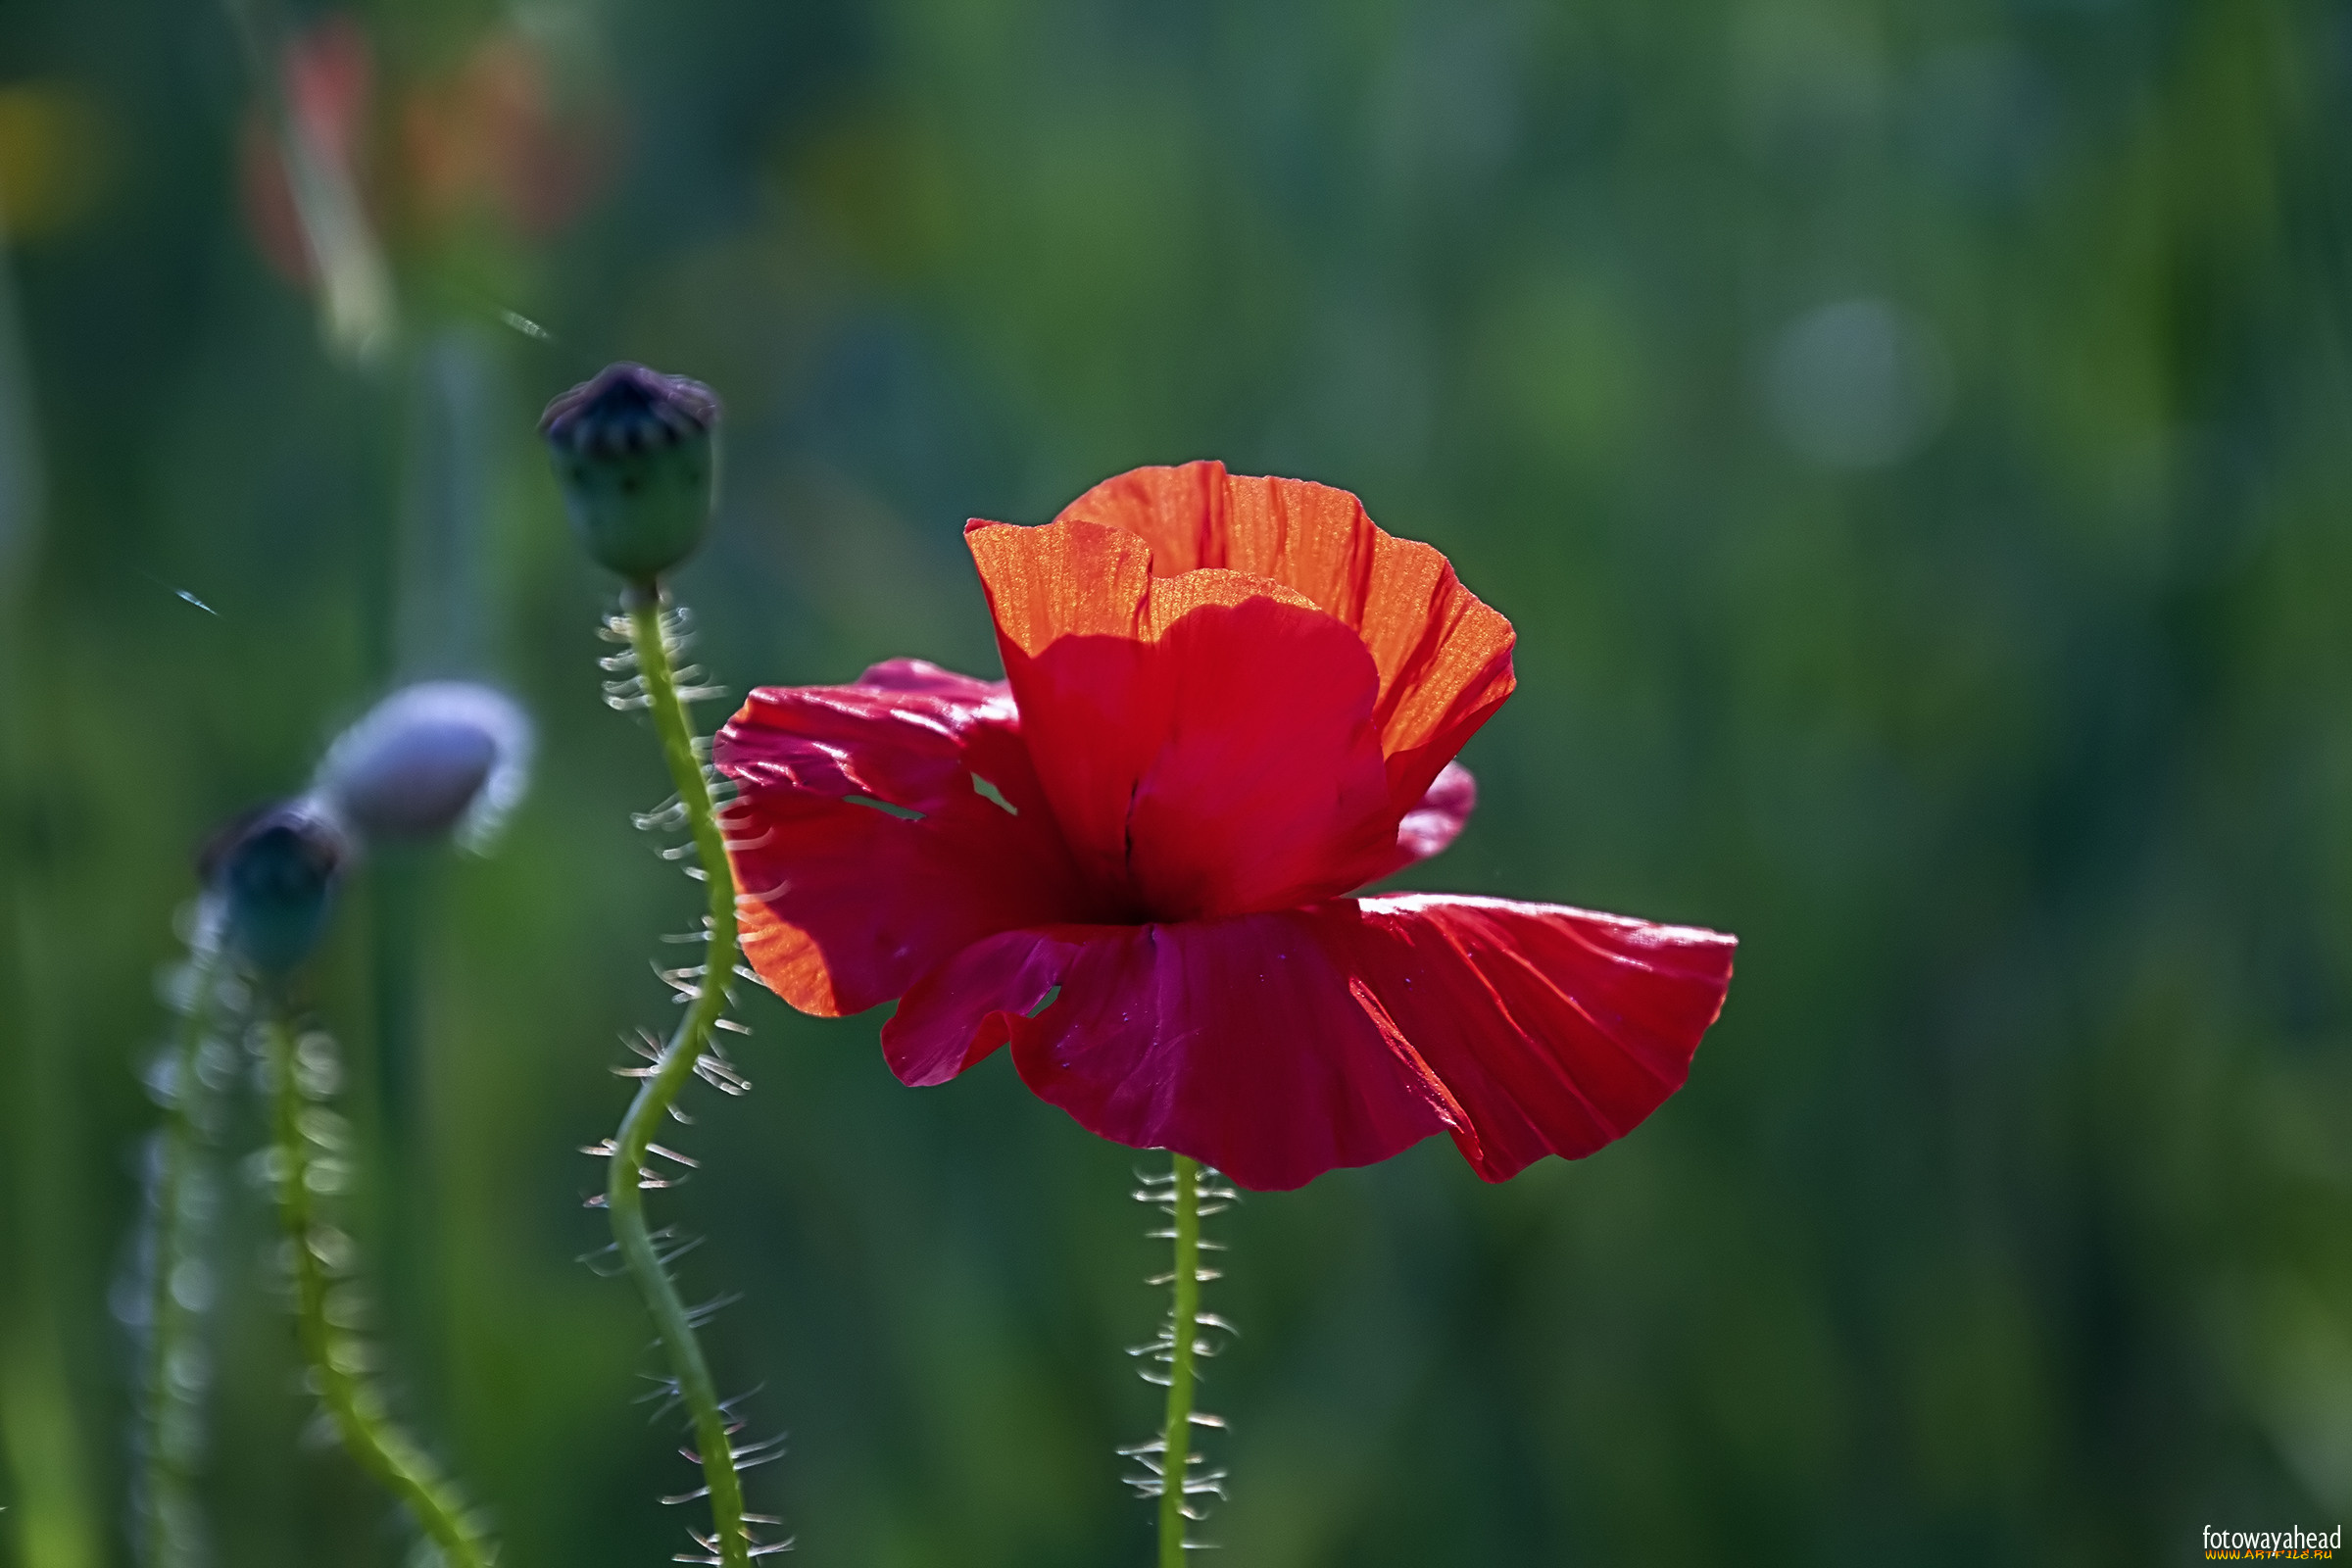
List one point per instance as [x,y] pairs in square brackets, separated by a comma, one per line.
[1186,1195]
[637,455]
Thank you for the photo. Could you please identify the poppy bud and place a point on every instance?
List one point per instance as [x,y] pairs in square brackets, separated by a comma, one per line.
[436,758]
[274,872]
[637,454]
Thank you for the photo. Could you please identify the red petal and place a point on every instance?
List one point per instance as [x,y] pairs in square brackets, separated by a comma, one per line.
[1242,1041]
[922,675]
[1437,821]
[1555,1030]
[1443,657]
[961,1011]
[1206,740]
[845,905]
[1433,825]
[1276,1047]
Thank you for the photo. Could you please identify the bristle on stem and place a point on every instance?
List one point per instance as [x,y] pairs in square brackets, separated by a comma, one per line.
[656,633]
[302,1152]
[1187,1194]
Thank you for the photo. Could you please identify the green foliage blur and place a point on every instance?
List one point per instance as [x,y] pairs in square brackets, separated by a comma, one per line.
[1912,438]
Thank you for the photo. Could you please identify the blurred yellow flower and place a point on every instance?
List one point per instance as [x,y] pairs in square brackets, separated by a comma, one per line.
[52,158]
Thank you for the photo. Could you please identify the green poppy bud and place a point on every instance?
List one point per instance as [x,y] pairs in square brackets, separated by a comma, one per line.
[637,453]
[274,872]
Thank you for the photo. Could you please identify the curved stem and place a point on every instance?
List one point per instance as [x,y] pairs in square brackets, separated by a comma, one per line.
[359,1417]
[167,1480]
[623,1194]
[1184,1329]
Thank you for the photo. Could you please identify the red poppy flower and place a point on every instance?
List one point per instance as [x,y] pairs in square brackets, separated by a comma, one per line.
[1229,703]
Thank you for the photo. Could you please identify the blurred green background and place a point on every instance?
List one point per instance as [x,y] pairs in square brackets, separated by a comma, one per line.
[1914,441]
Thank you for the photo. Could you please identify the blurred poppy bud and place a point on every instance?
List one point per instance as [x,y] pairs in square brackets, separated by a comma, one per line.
[274,872]
[440,757]
[637,453]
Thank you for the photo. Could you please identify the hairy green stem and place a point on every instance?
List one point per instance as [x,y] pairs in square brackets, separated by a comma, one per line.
[379,1447]
[1183,1329]
[168,1482]
[623,1194]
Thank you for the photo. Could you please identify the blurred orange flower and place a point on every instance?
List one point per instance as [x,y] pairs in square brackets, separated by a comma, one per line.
[486,139]
[327,75]
[490,138]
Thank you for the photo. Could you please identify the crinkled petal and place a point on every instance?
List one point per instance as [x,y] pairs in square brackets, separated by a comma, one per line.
[1555,1030]
[1207,741]
[1443,657]
[864,845]
[1275,1046]
[1243,1043]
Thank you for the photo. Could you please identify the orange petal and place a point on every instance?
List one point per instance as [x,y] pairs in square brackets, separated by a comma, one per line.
[1443,657]
[1206,740]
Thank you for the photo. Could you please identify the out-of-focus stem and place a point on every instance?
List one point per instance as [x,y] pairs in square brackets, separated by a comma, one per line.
[623,1194]
[358,313]
[1184,1329]
[382,1449]
[50,1515]
[168,1485]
